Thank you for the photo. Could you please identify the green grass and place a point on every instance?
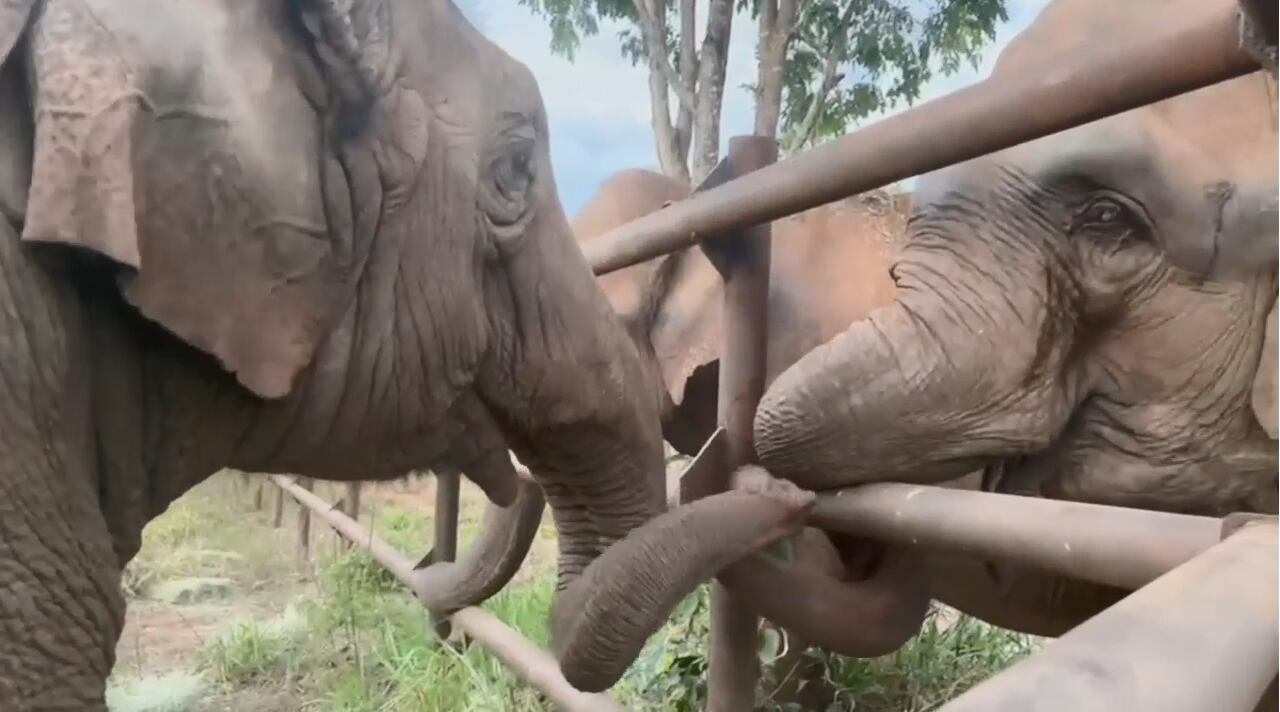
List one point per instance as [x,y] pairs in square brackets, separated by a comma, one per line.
[353,640]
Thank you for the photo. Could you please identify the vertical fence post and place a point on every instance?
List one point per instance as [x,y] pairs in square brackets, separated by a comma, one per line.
[445,547]
[744,264]
[304,526]
[352,500]
[277,513]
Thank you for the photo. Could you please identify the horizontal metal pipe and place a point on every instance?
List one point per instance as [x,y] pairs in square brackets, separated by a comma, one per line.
[1202,637]
[983,118]
[1117,546]
[526,660]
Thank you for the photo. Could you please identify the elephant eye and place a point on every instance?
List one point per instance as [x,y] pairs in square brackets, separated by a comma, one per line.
[507,183]
[513,173]
[1102,211]
[1112,214]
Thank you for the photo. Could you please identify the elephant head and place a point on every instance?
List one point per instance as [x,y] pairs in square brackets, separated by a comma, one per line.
[301,236]
[1040,333]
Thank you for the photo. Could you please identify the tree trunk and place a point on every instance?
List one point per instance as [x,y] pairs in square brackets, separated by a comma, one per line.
[672,157]
[688,76]
[711,70]
[777,18]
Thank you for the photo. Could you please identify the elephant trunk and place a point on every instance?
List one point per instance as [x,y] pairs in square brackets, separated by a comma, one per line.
[506,533]
[818,598]
[604,614]
[914,393]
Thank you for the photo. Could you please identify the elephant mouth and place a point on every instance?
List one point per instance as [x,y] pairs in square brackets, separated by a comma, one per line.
[1007,476]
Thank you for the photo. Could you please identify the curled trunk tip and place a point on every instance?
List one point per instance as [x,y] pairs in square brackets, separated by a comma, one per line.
[506,534]
[602,619]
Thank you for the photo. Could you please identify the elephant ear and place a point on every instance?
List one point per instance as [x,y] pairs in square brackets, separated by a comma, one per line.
[1265,384]
[193,160]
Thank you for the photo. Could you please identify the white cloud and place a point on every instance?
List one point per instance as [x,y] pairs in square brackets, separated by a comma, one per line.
[598,105]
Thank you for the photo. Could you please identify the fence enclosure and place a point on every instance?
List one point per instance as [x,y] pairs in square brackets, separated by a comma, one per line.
[1200,631]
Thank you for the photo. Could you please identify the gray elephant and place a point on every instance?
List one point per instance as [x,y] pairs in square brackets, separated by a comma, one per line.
[297,236]
[1038,334]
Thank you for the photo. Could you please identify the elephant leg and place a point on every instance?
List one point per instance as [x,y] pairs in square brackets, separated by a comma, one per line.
[61,610]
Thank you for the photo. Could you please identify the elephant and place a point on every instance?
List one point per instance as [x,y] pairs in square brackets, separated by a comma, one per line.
[1042,334]
[302,236]
[1037,340]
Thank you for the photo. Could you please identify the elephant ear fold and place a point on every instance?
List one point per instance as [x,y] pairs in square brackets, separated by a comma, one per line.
[206,194]
[1264,383]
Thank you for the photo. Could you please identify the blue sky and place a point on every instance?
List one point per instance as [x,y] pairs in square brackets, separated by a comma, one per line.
[598,105]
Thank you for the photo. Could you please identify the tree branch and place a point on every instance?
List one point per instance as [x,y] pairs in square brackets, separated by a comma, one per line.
[835,53]
[652,28]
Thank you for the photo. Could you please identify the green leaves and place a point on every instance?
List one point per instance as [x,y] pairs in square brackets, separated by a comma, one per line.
[845,59]
[883,55]
[570,20]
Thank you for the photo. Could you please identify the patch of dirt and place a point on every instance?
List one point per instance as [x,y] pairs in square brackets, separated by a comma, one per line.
[251,699]
[158,636]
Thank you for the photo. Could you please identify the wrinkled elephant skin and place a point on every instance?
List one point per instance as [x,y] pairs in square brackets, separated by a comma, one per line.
[304,237]
[1040,333]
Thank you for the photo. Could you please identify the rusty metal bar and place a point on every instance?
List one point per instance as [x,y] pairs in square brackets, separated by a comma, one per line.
[445,546]
[1117,546]
[533,665]
[743,262]
[983,118]
[1202,637]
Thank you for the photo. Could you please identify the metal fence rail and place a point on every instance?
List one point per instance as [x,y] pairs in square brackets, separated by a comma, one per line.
[1115,546]
[983,118]
[1189,582]
[1200,638]
[525,659]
